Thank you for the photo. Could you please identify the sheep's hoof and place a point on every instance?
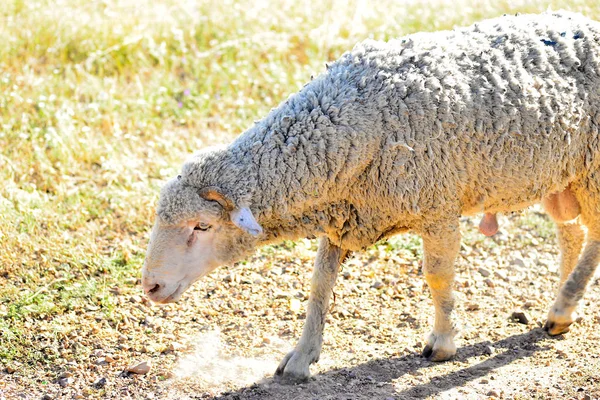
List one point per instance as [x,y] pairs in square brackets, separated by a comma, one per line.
[554,328]
[558,321]
[294,368]
[439,348]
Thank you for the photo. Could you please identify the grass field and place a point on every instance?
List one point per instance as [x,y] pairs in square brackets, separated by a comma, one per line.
[101,101]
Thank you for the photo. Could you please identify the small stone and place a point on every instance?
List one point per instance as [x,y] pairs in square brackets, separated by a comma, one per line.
[116,290]
[484,381]
[493,393]
[100,383]
[174,346]
[295,305]
[64,382]
[46,397]
[489,282]
[140,369]
[132,281]
[472,307]
[561,353]
[301,295]
[377,285]
[135,299]
[520,317]
[518,262]
[502,275]
[10,369]
[529,304]
[282,295]
[109,358]
[266,340]
[489,350]
[484,272]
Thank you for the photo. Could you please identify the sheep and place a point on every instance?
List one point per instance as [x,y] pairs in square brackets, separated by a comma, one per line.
[403,136]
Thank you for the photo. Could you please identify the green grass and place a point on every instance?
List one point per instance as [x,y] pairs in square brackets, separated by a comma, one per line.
[539,223]
[100,101]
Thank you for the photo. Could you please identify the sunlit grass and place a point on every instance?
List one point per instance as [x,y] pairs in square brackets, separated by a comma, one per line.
[100,101]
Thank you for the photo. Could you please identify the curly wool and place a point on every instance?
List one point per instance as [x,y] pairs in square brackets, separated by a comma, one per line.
[414,132]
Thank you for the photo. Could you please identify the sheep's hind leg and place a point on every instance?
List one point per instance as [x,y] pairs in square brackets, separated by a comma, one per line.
[570,240]
[440,250]
[563,312]
[295,365]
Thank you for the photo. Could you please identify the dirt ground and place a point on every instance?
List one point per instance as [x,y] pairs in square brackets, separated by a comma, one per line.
[101,101]
[225,338]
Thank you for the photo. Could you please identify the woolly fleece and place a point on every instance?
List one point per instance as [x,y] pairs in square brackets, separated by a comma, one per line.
[409,134]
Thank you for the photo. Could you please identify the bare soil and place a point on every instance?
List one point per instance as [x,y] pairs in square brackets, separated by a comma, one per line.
[225,338]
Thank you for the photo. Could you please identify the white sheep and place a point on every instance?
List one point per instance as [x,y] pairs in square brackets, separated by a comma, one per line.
[402,136]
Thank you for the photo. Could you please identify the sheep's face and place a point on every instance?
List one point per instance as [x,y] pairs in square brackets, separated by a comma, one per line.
[194,233]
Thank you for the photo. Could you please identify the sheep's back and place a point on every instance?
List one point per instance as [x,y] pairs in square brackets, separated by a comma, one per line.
[496,114]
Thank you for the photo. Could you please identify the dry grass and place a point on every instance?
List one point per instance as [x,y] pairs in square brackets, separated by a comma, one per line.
[100,101]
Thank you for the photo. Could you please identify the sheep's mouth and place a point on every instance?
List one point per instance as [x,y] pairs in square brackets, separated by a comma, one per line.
[173,297]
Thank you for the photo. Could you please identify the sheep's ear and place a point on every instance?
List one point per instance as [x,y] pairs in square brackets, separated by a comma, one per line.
[213,193]
[243,219]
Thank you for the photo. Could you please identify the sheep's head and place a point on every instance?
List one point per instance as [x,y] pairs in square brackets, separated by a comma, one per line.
[196,230]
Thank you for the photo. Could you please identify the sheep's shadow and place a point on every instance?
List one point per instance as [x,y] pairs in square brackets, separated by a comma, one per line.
[374,379]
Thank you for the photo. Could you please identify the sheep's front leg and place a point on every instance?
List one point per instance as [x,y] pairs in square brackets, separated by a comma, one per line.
[440,248]
[294,366]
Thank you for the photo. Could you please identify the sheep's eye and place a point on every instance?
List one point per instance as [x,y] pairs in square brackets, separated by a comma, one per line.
[202,227]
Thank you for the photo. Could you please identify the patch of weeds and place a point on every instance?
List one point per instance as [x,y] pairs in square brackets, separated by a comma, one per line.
[403,244]
[539,223]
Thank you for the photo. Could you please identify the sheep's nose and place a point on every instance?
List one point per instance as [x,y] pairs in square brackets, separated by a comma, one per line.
[151,286]
[153,289]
